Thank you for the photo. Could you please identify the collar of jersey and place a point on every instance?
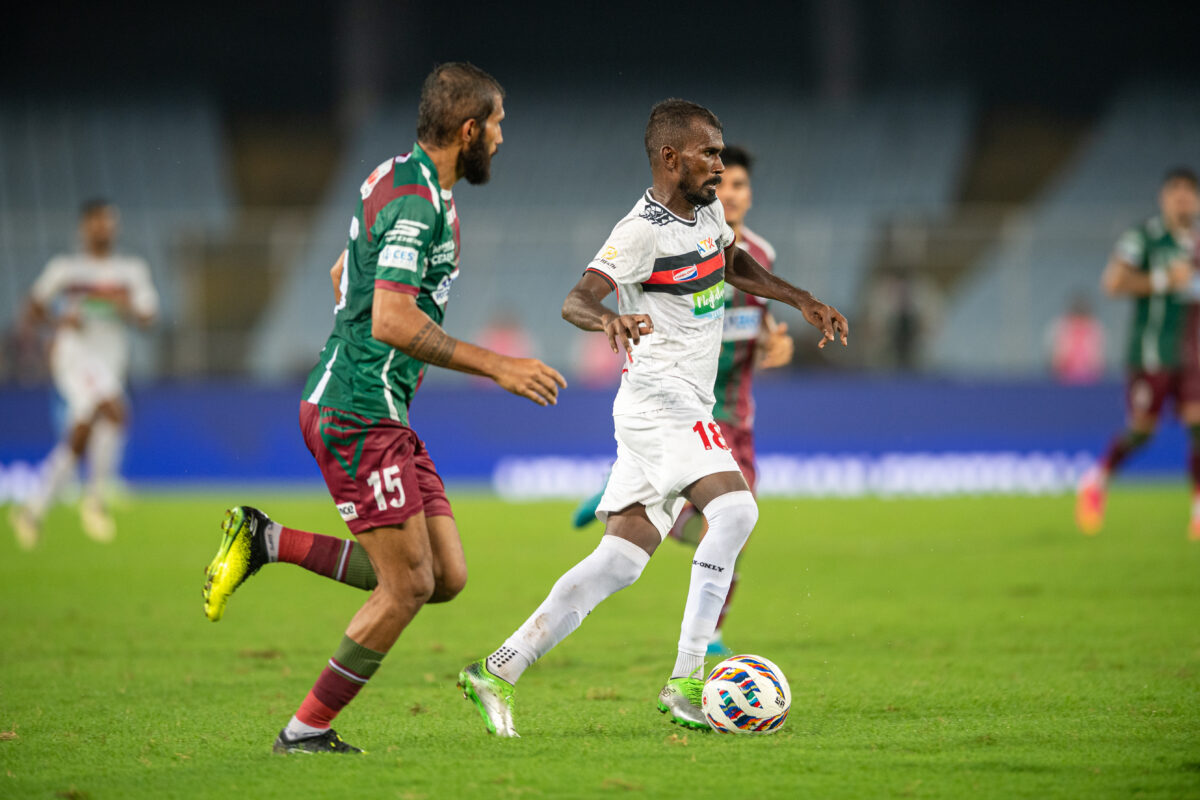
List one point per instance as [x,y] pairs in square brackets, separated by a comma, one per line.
[422,157]
[689,222]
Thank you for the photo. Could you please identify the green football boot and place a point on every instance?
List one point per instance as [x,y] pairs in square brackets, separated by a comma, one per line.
[680,699]
[242,553]
[493,697]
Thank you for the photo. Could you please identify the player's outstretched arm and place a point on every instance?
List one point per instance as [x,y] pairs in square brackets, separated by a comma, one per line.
[1122,278]
[744,272]
[584,309]
[396,320]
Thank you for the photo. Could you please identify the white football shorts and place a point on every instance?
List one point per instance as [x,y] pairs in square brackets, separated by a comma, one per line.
[84,379]
[658,456]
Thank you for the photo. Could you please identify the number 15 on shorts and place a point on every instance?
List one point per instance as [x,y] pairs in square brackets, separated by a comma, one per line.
[713,430]
[390,483]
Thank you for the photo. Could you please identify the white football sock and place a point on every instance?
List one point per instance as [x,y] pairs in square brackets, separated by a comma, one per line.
[60,468]
[271,539]
[104,447]
[298,730]
[613,565]
[731,518]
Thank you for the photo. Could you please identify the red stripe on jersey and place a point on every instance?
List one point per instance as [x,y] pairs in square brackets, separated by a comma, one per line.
[606,277]
[397,286]
[383,195]
[684,274]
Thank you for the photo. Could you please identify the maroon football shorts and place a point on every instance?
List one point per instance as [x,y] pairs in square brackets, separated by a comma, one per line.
[741,444]
[377,470]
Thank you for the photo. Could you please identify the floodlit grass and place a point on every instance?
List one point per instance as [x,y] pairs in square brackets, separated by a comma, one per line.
[935,648]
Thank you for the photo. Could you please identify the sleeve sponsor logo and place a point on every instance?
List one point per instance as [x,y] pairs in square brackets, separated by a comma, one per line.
[609,253]
[706,247]
[406,229]
[399,257]
[603,262]
[348,511]
[444,253]
[710,303]
[742,324]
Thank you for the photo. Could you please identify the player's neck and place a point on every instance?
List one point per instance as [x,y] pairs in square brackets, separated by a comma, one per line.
[670,198]
[445,160]
[98,252]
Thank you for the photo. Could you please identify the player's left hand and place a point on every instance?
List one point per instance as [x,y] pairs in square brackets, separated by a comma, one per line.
[777,347]
[828,320]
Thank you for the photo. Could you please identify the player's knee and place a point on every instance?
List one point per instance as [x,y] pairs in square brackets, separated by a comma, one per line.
[734,514]
[623,560]
[408,586]
[452,581]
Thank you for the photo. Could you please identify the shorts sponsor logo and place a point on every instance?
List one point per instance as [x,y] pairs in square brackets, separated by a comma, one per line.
[609,253]
[710,302]
[706,565]
[399,257]
[685,274]
[706,247]
[348,511]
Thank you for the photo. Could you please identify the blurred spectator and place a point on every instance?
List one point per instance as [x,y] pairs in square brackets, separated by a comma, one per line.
[596,365]
[504,334]
[902,310]
[1076,342]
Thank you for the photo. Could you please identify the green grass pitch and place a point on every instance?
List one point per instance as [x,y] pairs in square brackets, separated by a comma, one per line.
[935,648]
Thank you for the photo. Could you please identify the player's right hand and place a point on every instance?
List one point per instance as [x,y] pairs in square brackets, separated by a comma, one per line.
[625,329]
[530,378]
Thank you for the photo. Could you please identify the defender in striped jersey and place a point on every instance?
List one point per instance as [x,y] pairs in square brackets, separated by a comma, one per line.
[1153,264]
[391,285]
[668,260]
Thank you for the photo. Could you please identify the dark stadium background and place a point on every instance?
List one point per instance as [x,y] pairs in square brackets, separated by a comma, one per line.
[289,94]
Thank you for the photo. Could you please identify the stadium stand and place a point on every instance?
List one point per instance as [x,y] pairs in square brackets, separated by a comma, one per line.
[999,313]
[162,160]
[828,174]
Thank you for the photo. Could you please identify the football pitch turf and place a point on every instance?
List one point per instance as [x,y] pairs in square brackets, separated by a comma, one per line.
[935,648]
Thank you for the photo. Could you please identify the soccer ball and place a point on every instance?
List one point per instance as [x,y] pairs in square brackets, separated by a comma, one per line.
[746,694]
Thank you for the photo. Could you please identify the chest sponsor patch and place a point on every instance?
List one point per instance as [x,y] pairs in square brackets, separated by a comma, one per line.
[685,274]
[742,324]
[706,247]
[710,302]
[399,257]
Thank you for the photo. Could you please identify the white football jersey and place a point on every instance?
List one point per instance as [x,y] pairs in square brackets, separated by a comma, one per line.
[673,270]
[80,285]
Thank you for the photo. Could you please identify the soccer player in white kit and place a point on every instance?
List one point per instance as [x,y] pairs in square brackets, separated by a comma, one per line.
[91,298]
[667,262]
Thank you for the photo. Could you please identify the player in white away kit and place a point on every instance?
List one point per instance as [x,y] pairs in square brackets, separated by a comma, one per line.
[91,297]
[667,262]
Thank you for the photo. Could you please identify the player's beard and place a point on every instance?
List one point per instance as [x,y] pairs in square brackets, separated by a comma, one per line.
[699,196]
[475,162]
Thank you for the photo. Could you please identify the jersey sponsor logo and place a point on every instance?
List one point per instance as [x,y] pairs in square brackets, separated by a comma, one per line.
[409,230]
[709,303]
[706,247]
[399,257]
[685,274]
[374,178]
[609,253]
[348,511]
[443,253]
[442,293]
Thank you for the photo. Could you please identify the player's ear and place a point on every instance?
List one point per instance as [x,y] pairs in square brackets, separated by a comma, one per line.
[469,130]
[669,156]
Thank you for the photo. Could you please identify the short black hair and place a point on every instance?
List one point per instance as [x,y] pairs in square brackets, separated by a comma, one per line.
[452,94]
[1181,173]
[734,156]
[671,119]
[94,204]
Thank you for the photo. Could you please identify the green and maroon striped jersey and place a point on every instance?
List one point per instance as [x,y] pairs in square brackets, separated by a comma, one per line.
[739,342]
[1158,319]
[403,238]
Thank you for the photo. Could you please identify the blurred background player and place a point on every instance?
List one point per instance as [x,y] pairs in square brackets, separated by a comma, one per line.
[752,338]
[392,285]
[90,298]
[1153,264]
